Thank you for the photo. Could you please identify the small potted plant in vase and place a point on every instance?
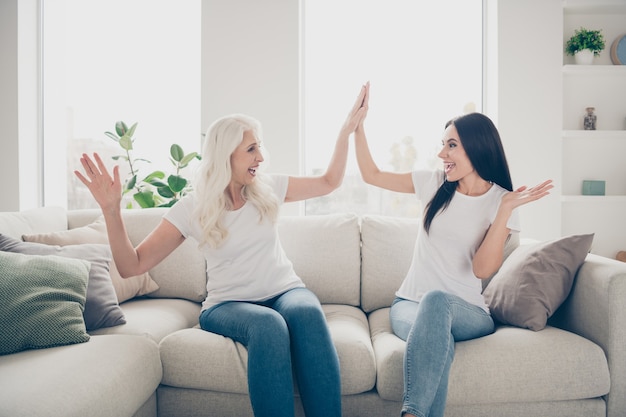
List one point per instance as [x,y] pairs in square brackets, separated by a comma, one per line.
[584,45]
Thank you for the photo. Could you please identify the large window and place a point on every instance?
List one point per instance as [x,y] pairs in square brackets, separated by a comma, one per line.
[109,60]
[139,61]
[424,65]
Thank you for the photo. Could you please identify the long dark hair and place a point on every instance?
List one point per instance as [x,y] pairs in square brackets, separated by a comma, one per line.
[483,147]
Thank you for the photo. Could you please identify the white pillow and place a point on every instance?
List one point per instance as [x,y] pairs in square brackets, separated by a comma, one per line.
[125,288]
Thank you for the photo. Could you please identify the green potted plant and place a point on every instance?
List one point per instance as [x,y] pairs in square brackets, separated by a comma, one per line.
[168,190]
[584,45]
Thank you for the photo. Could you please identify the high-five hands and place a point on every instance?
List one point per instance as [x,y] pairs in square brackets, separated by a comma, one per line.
[359,110]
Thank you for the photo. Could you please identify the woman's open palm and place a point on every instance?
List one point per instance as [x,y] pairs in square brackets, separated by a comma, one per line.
[524,195]
[106,190]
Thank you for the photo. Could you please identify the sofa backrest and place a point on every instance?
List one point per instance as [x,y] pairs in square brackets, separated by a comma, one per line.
[325,252]
[344,259]
[38,220]
[181,275]
[387,250]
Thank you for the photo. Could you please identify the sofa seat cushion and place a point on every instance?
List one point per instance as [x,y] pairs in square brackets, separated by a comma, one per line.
[155,317]
[512,365]
[106,376]
[194,358]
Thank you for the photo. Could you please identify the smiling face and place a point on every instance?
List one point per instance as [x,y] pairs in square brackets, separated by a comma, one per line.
[245,160]
[456,163]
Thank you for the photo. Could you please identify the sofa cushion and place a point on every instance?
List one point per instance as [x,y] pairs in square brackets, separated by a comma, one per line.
[550,365]
[155,317]
[194,358]
[42,301]
[95,232]
[183,273]
[535,280]
[39,220]
[107,376]
[387,250]
[325,252]
[101,307]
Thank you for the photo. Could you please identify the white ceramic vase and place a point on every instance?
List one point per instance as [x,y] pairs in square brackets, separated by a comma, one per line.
[584,57]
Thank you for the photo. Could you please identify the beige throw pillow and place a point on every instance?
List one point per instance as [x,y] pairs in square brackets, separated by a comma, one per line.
[125,288]
[535,280]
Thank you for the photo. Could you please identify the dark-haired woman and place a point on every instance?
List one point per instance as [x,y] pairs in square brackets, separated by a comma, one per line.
[469,214]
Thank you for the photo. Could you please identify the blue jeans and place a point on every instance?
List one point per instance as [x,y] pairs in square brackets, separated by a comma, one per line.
[430,328]
[285,335]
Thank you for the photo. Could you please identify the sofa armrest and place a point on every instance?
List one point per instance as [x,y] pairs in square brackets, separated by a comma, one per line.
[596,310]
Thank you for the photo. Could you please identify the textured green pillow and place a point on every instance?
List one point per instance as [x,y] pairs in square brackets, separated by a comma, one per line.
[43,298]
[101,306]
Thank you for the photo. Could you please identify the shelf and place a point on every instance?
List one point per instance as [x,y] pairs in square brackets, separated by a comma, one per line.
[594,134]
[594,154]
[617,70]
[593,198]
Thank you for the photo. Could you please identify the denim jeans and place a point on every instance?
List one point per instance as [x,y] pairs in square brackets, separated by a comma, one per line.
[430,328]
[285,335]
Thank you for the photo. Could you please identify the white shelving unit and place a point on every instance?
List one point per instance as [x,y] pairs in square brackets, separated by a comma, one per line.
[595,154]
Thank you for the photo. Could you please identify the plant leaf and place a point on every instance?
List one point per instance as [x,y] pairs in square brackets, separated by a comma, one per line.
[156,183]
[176,183]
[126,142]
[120,128]
[177,152]
[131,182]
[169,203]
[144,198]
[112,136]
[165,191]
[185,161]
[153,175]
[131,131]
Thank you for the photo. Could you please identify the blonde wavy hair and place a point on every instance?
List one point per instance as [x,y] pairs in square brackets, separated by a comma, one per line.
[214,174]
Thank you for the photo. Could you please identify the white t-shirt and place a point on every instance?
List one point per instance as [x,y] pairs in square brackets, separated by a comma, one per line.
[442,259]
[250,264]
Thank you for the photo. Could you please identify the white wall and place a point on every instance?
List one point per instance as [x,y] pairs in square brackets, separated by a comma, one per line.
[29,112]
[250,64]
[20,163]
[528,88]
[8,106]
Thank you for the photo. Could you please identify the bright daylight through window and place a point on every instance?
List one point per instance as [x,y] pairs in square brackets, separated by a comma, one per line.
[425,67]
[116,60]
[139,62]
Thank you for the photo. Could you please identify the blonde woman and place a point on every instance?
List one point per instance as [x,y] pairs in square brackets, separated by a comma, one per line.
[253,294]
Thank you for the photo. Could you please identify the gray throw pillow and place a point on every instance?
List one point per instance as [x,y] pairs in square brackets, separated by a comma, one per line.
[534,281]
[42,301]
[101,308]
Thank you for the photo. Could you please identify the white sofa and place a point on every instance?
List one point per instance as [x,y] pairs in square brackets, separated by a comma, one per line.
[161,364]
